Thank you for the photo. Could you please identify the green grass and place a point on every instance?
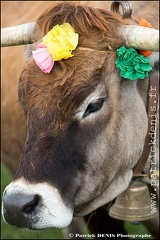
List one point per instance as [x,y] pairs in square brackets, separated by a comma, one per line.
[139,229]
[10,232]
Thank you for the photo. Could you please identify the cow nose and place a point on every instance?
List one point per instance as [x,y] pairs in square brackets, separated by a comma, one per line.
[19,209]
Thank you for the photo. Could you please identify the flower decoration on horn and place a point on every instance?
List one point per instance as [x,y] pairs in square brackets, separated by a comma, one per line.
[132,65]
[145,23]
[57,44]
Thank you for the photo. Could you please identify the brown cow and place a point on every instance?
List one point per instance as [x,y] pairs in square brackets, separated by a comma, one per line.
[66,133]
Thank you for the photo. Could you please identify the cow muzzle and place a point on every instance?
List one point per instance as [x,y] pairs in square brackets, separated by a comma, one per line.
[19,209]
[35,206]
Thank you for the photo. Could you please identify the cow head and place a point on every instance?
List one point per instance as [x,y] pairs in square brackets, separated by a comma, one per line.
[85,126]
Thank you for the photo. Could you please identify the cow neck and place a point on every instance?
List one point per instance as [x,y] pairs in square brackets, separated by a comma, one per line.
[152,101]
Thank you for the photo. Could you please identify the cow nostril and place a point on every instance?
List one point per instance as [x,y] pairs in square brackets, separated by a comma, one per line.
[30,206]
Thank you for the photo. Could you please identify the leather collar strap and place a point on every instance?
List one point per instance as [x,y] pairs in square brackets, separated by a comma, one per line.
[152,107]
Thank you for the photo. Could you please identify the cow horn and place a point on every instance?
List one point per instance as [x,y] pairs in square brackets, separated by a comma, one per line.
[141,38]
[135,36]
[17,35]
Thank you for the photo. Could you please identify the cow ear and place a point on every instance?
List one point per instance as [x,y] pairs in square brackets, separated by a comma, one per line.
[28,52]
[36,38]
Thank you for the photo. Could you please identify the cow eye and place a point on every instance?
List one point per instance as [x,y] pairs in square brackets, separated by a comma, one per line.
[93,107]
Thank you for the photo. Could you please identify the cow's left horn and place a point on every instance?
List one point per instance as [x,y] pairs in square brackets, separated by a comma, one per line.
[17,35]
[140,37]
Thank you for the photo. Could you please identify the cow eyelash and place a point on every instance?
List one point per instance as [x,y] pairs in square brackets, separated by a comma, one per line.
[93,107]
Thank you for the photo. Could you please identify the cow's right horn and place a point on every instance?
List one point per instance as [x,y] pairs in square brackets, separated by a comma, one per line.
[142,38]
[17,35]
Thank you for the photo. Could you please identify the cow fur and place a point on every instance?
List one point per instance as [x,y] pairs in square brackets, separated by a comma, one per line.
[33,93]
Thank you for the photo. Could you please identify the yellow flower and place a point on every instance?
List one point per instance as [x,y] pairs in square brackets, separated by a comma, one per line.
[60,41]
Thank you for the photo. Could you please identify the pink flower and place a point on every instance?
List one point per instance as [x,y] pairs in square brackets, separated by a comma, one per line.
[43,58]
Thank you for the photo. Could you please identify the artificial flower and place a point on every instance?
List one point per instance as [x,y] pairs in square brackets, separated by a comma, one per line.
[143,22]
[43,58]
[57,44]
[60,41]
[132,65]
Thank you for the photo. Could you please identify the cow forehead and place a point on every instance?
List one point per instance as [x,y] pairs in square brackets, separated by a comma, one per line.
[64,89]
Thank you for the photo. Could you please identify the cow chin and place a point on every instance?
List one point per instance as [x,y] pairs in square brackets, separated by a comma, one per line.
[34,206]
[117,186]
